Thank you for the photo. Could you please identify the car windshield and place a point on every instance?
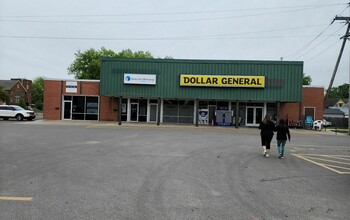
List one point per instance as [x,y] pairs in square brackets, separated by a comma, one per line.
[17,108]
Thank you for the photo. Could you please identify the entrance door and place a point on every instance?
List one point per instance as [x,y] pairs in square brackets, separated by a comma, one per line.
[309,111]
[134,112]
[67,110]
[254,116]
[153,112]
[212,109]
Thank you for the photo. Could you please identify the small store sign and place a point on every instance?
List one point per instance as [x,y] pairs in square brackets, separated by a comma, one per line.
[143,79]
[71,87]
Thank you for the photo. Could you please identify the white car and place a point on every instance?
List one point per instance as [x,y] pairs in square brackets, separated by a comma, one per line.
[319,124]
[17,112]
[326,123]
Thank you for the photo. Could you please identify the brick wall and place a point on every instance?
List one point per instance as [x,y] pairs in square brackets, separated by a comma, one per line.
[88,88]
[290,111]
[54,89]
[108,108]
[52,99]
[311,97]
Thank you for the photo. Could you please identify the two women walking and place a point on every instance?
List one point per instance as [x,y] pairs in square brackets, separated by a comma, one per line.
[268,128]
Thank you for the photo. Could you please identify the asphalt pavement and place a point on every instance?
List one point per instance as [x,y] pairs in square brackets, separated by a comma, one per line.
[99,170]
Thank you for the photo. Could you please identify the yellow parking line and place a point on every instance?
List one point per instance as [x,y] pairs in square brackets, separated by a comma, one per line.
[332,161]
[302,145]
[347,158]
[10,198]
[343,168]
[324,155]
[319,164]
[344,172]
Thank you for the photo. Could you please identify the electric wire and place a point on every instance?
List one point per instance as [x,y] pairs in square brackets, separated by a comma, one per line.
[320,43]
[197,37]
[307,44]
[163,21]
[295,53]
[167,13]
[332,45]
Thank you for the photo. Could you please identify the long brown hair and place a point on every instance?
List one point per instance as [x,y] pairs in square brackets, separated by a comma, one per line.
[267,119]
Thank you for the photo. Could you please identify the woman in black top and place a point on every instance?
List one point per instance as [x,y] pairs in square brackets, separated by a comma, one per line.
[282,133]
[267,128]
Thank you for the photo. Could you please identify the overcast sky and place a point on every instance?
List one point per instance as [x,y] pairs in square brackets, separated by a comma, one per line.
[40,37]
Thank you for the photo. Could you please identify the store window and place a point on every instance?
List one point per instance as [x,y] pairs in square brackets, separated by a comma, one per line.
[143,110]
[124,109]
[80,107]
[178,111]
[222,105]
[91,108]
[272,110]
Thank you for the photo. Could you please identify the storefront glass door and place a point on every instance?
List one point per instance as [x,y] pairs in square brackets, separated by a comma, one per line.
[254,116]
[153,112]
[67,110]
[134,112]
[212,109]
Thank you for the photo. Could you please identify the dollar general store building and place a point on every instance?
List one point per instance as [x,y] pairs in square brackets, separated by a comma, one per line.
[219,92]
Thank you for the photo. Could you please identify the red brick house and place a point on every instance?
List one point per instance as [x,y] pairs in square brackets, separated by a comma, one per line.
[18,89]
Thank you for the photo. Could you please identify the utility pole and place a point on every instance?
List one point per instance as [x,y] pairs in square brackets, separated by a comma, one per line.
[345,37]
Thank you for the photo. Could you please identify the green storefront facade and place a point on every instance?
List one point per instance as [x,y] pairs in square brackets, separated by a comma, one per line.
[223,92]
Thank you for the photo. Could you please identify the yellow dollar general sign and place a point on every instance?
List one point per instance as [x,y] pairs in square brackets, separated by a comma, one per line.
[222,81]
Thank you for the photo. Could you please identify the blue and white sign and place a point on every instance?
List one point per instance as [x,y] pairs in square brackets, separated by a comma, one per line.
[143,79]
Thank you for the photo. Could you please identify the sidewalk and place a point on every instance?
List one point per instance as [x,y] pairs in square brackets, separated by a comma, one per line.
[111,124]
[327,131]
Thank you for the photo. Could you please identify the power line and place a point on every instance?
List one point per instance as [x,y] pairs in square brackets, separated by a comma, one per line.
[306,45]
[147,39]
[320,43]
[322,51]
[161,21]
[169,13]
[213,36]
[313,40]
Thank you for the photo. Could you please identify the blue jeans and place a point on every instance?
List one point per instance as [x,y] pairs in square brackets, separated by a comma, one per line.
[280,146]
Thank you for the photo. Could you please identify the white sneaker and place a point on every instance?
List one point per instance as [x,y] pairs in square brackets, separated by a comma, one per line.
[267,156]
[264,153]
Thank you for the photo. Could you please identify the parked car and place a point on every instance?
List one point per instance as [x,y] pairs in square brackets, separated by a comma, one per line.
[17,112]
[326,123]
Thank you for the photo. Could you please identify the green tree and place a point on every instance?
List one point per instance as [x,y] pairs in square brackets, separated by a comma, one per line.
[38,92]
[341,91]
[87,64]
[22,103]
[306,80]
[3,95]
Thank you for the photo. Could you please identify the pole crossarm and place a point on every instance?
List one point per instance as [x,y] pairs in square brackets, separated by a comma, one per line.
[345,37]
[341,18]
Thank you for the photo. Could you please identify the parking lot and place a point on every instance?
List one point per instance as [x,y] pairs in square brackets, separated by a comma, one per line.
[99,170]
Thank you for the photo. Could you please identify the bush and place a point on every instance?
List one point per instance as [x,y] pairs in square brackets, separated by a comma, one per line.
[22,103]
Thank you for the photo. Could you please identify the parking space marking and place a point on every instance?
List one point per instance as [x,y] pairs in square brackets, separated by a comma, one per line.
[10,198]
[336,163]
